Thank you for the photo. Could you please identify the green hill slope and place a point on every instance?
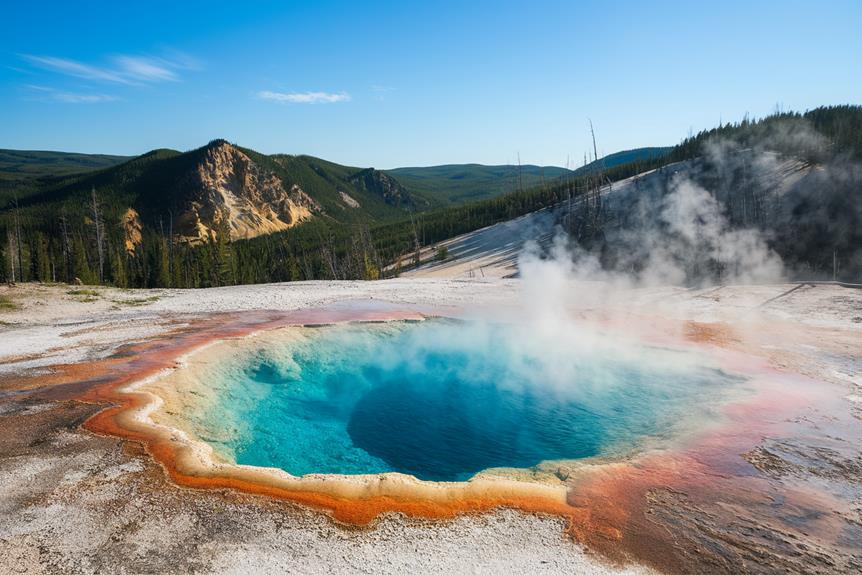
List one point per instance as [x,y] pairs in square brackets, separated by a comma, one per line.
[458,183]
[20,164]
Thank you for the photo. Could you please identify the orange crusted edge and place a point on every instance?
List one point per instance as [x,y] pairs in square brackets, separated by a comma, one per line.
[146,360]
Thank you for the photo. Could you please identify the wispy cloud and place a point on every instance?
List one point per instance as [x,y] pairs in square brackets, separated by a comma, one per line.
[147,69]
[123,69]
[303,97]
[50,94]
[75,68]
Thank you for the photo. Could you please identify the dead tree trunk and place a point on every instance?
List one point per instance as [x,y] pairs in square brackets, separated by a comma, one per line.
[10,236]
[67,245]
[18,247]
[99,229]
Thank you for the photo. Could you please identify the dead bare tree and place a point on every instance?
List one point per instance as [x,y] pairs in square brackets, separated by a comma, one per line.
[12,250]
[171,243]
[520,177]
[595,195]
[327,254]
[100,232]
[417,247]
[595,149]
[66,243]
[18,241]
[584,214]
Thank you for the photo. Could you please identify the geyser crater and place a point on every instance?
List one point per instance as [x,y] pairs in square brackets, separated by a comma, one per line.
[443,400]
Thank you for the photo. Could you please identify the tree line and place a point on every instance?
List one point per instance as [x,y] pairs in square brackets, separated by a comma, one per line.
[55,241]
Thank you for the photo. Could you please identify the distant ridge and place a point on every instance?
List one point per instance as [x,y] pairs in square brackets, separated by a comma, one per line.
[21,164]
[457,183]
[450,184]
[624,157]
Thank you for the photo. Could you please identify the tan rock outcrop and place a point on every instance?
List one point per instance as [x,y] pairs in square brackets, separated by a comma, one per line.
[233,193]
[131,223]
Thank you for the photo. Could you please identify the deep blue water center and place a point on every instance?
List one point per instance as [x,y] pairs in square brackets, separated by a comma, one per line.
[443,400]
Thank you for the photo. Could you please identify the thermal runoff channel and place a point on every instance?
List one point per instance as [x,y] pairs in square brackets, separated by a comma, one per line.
[442,400]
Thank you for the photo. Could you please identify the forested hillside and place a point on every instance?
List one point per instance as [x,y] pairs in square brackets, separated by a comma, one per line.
[448,185]
[344,222]
[818,219]
[141,222]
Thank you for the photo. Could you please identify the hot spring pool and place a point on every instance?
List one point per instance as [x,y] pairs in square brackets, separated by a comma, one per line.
[443,400]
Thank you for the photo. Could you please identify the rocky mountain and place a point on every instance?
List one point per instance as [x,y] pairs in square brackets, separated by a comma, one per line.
[227,190]
[220,189]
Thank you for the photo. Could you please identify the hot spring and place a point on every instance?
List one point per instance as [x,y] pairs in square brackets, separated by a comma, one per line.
[443,400]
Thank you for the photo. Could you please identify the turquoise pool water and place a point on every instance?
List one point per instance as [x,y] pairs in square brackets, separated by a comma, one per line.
[443,400]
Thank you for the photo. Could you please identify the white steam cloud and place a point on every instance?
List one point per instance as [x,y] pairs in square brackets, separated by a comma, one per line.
[672,242]
[759,211]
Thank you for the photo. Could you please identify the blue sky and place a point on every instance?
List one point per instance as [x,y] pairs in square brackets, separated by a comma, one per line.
[389,84]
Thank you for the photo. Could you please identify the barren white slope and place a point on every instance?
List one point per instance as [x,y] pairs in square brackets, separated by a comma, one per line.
[492,252]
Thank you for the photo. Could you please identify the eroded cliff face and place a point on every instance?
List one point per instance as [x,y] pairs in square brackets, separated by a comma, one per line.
[132,229]
[231,193]
[382,184]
